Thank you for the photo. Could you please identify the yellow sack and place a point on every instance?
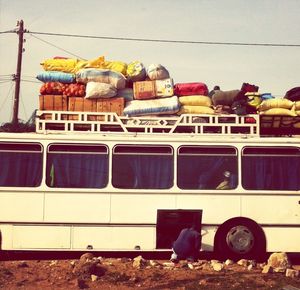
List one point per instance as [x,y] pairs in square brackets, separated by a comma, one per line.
[297,105]
[117,66]
[61,64]
[279,111]
[253,99]
[275,103]
[136,71]
[95,63]
[195,110]
[101,63]
[196,100]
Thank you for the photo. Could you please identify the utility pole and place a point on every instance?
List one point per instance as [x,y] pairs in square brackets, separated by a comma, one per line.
[17,76]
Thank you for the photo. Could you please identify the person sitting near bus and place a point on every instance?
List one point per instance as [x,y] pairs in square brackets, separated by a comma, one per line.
[187,245]
[225,184]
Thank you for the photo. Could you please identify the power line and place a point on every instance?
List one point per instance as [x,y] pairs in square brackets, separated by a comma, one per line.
[9,91]
[164,40]
[28,81]
[8,31]
[49,43]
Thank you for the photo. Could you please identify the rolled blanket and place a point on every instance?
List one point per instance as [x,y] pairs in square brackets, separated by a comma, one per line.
[161,106]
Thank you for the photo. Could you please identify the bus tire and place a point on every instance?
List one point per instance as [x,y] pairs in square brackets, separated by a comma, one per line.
[240,238]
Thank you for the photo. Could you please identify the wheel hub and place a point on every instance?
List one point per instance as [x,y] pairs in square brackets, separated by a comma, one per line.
[240,239]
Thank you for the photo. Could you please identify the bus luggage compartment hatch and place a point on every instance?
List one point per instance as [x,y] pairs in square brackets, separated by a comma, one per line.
[170,222]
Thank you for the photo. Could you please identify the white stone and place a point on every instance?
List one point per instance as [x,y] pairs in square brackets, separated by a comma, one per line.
[292,273]
[243,262]
[279,262]
[190,266]
[218,266]
[229,262]
[138,262]
[94,278]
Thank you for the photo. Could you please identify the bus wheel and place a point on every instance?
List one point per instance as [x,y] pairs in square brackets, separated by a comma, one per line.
[240,238]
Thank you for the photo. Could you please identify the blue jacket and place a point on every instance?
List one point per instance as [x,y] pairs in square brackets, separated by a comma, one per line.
[188,243]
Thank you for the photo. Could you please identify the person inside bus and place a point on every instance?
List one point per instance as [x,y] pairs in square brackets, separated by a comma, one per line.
[187,245]
[226,183]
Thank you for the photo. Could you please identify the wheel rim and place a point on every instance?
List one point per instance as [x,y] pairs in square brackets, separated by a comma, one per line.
[240,239]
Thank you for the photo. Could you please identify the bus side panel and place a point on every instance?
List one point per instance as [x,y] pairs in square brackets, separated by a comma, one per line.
[279,238]
[77,208]
[216,208]
[41,237]
[21,207]
[139,208]
[6,237]
[114,237]
[276,210]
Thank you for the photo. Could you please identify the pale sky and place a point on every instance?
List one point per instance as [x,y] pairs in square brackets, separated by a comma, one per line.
[273,69]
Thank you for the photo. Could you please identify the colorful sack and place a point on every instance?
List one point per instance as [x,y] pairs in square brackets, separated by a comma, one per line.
[248,88]
[102,76]
[74,90]
[56,76]
[67,65]
[157,72]
[266,96]
[162,106]
[136,71]
[100,90]
[117,66]
[195,110]
[126,93]
[52,88]
[196,100]
[293,94]
[225,98]
[188,89]
[275,103]
[253,99]
[280,112]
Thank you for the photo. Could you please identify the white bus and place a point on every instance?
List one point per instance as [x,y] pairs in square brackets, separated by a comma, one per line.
[131,184]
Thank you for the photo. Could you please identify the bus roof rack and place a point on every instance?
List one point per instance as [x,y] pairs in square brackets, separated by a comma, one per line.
[98,122]
[275,125]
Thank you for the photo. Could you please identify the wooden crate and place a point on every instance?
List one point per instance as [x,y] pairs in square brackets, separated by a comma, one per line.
[79,104]
[114,105]
[53,103]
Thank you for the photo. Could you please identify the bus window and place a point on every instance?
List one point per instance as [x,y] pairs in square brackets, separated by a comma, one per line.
[77,166]
[142,167]
[21,164]
[203,167]
[271,168]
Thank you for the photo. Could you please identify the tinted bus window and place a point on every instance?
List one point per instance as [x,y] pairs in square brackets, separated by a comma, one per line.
[143,167]
[202,167]
[21,164]
[271,168]
[77,166]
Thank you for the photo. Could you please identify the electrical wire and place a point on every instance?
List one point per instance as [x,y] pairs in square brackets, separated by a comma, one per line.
[4,82]
[9,91]
[49,43]
[23,105]
[35,82]
[8,31]
[164,40]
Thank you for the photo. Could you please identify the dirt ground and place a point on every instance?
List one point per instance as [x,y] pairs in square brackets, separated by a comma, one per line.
[126,273]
